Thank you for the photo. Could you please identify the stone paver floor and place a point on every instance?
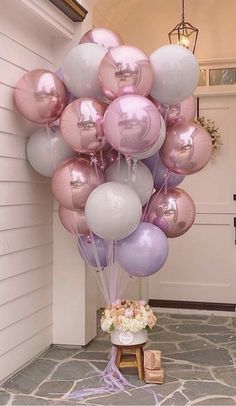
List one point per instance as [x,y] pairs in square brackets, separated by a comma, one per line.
[198,356]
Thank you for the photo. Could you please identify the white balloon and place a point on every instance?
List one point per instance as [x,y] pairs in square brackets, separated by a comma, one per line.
[138,178]
[47,149]
[80,70]
[176,74]
[158,144]
[113,211]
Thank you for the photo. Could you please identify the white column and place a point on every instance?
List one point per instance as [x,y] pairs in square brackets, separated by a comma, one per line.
[74,287]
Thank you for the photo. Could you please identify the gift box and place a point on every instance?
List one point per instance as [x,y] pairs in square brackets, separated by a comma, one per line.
[154,375]
[152,359]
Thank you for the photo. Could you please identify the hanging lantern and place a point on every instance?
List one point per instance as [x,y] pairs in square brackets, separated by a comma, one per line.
[184,33]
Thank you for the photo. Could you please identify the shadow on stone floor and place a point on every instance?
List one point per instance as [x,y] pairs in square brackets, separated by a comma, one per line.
[198,356]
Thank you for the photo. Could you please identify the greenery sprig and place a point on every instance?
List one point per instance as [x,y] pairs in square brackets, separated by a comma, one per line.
[213,131]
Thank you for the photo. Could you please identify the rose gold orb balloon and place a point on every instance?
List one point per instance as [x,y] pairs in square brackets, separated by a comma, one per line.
[187,149]
[125,70]
[73,182]
[81,125]
[173,212]
[183,112]
[41,96]
[73,220]
[103,37]
[105,158]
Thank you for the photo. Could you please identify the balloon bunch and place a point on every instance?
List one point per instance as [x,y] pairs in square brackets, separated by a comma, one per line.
[118,126]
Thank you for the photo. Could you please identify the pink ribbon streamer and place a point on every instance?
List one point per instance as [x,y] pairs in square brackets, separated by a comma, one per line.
[114,381]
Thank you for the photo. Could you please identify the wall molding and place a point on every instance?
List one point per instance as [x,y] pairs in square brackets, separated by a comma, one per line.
[217,61]
[222,90]
[51,16]
[179,304]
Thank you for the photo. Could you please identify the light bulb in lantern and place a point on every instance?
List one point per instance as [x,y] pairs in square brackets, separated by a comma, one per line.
[182,33]
[184,41]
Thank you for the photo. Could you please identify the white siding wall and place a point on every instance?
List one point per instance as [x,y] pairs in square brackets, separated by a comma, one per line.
[25,205]
[34,34]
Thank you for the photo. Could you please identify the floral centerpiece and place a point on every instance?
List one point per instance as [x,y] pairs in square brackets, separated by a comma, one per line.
[128,321]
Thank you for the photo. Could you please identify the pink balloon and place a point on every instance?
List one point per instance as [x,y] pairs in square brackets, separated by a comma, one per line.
[187,149]
[103,37]
[81,125]
[183,112]
[40,96]
[131,124]
[173,212]
[125,70]
[73,220]
[111,156]
[73,182]
[106,158]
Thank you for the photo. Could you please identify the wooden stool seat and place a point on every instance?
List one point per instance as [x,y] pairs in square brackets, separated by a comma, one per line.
[130,356]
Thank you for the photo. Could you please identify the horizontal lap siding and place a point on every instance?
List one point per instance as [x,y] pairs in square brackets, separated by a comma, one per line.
[25,210]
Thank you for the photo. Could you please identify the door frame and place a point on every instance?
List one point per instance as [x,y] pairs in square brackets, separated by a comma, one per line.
[201,91]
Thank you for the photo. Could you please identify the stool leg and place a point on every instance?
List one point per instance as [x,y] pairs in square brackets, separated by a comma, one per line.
[139,360]
[118,357]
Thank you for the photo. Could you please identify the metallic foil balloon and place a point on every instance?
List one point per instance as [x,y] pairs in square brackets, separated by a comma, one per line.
[81,125]
[93,251]
[131,124]
[173,212]
[143,252]
[158,144]
[46,150]
[104,158]
[102,37]
[125,70]
[162,173]
[73,182]
[187,149]
[73,220]
[183,112]
[176,73]
[138,177]
[40,96]
[113,211]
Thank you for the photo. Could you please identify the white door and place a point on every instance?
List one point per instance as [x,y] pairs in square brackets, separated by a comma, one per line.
[202,264]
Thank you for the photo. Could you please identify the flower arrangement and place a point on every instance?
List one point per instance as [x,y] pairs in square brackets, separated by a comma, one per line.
[128,315]
[212,130]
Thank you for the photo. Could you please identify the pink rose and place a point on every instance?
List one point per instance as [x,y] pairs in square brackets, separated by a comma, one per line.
[129,313]
[142,302]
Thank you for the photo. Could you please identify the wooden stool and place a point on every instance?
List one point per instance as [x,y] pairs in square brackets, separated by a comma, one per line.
[129,356]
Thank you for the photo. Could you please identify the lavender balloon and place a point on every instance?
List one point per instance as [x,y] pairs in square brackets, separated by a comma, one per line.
[174,179]
[90,249]
[143,252]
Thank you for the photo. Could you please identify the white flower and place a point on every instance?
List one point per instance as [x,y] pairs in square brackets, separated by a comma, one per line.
[127,315]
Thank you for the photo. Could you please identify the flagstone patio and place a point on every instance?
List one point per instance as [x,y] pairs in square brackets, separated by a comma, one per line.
[198,356]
